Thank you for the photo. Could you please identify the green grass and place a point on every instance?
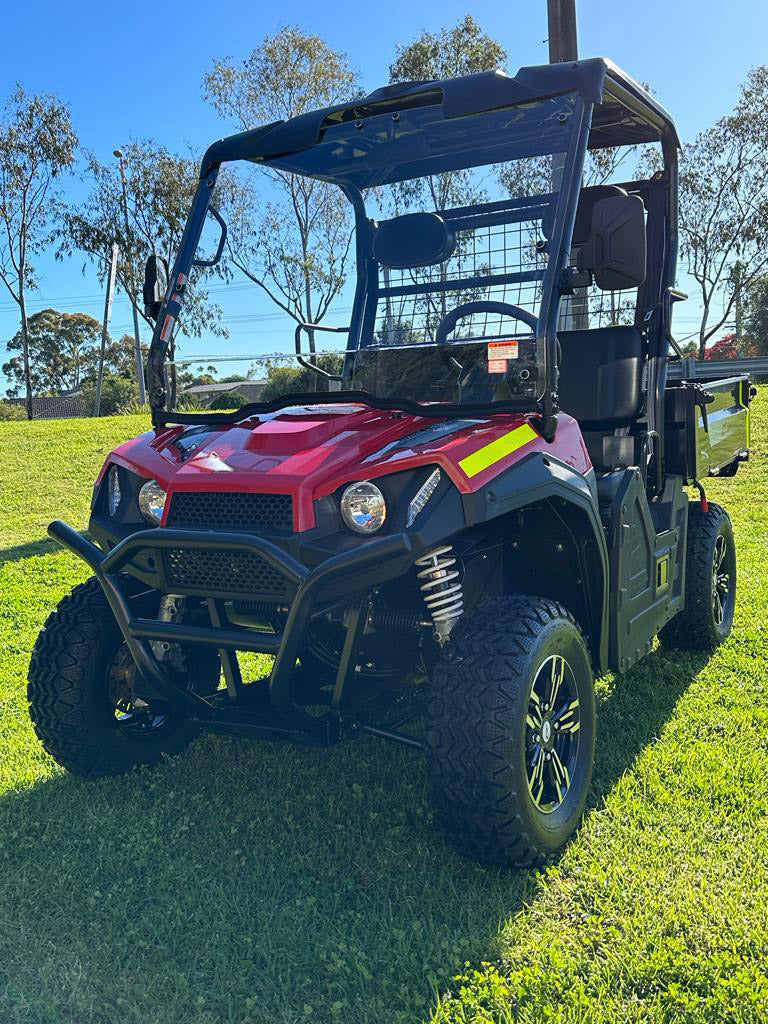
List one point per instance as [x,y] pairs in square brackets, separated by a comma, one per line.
[250,883]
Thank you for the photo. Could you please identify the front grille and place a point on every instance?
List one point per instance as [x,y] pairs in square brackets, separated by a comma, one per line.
[223,571]
[233,510]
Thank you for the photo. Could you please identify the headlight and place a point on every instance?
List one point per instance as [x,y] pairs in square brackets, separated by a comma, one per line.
[152,502]
[363,507]
[113,491]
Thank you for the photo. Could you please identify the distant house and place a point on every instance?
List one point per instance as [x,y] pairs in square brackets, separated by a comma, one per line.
[205,393]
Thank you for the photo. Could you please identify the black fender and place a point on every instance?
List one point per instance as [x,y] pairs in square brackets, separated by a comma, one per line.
[539,479]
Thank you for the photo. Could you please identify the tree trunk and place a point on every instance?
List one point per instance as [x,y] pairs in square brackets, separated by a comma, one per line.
[308,308]
[703,329]
[25,344]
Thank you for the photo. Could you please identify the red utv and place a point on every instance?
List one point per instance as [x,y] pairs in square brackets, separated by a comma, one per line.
[480,513]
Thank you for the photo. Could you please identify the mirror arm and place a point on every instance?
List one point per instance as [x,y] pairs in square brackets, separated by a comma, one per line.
[222,240]
[671,295]
[311,366]
[573,278]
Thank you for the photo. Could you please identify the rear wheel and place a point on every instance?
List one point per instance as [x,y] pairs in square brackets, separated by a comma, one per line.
[710,582]
[512,731]
[85,695]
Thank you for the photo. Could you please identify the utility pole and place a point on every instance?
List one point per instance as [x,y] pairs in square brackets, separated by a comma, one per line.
[137,337]
[564,46]
[563,33]
[105,324]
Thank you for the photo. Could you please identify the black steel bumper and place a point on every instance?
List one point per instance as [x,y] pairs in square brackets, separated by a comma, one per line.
[372,562]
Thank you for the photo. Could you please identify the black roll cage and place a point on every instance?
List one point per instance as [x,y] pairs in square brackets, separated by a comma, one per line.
[611,109]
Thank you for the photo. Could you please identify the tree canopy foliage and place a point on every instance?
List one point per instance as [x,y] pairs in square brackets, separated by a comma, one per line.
[159,189]
[462,50]
[64,353]
[287,380]
[288,234]
[724,206]
[755,317]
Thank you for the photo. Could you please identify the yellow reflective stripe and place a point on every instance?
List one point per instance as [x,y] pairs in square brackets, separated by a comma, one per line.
[498,449]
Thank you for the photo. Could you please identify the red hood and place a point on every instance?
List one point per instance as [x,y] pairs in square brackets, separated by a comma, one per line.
[310,451]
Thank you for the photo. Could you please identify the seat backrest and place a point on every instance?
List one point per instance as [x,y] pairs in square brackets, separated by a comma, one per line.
[601,376]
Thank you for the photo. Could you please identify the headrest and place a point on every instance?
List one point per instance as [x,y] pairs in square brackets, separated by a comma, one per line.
[413,240]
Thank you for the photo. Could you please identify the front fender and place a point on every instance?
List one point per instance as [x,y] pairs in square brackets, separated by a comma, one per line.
[540,478]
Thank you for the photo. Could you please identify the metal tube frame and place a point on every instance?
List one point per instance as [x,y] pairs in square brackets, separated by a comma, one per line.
[358,568]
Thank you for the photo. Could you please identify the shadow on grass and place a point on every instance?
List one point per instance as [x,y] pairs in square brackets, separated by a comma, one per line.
[44,546]
[254,883]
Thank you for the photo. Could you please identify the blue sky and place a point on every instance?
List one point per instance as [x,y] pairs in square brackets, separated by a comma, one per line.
[134,70]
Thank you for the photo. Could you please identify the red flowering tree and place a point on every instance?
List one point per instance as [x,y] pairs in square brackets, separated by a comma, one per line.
[723,348]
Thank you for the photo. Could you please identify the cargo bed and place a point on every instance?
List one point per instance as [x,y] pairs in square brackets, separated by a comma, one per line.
[707,426]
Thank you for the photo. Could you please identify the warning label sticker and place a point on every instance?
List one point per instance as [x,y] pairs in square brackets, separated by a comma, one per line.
[499,354]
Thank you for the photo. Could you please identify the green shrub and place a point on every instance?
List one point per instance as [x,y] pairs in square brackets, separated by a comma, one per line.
[187,403]
[229,400]
[295,380]
[11,411]
[118,395]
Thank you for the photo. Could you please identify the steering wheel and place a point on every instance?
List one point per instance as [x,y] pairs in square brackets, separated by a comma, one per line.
[450,320]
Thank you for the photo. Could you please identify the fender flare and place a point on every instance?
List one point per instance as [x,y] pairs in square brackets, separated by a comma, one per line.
[540,477]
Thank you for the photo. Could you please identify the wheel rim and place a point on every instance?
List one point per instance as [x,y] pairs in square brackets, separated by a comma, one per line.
[721,580]
[134,715]
[552,733]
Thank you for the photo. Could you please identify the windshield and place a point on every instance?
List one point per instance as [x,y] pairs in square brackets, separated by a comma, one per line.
[500,256]
[502,246]
[458,222]
[498,225]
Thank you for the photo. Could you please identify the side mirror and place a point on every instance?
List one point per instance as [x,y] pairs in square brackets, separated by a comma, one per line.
[155,285]
[413,240]
[615,252]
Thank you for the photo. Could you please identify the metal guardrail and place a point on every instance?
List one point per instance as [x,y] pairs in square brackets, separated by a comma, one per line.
[690,369]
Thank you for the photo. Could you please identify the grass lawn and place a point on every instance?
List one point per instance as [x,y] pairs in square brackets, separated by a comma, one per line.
[258,884]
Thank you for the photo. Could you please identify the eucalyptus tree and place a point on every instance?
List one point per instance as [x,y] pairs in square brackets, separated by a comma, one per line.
[37,144]
[724,207]
[463,49]
[63,350]
[288,234]
[159,190]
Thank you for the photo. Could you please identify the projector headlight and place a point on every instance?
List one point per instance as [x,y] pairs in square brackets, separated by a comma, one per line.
[363,507]
[113,491]
[152,502]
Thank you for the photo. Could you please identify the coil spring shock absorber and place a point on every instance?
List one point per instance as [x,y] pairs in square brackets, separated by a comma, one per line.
[442,590]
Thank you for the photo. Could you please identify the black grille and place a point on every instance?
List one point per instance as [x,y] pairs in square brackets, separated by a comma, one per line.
[231,510]
[223,571]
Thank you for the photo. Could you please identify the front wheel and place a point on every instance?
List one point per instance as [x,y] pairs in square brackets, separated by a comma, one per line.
[512,731]
[85,695]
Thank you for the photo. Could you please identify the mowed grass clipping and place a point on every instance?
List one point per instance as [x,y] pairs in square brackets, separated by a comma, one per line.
[253,883]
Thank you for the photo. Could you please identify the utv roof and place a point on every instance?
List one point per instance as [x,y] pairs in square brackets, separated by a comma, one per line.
[624,114]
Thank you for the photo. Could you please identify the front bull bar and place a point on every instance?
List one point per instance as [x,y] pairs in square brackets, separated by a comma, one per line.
[373,562]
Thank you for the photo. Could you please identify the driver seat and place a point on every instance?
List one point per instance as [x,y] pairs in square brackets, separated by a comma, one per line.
[601,386]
